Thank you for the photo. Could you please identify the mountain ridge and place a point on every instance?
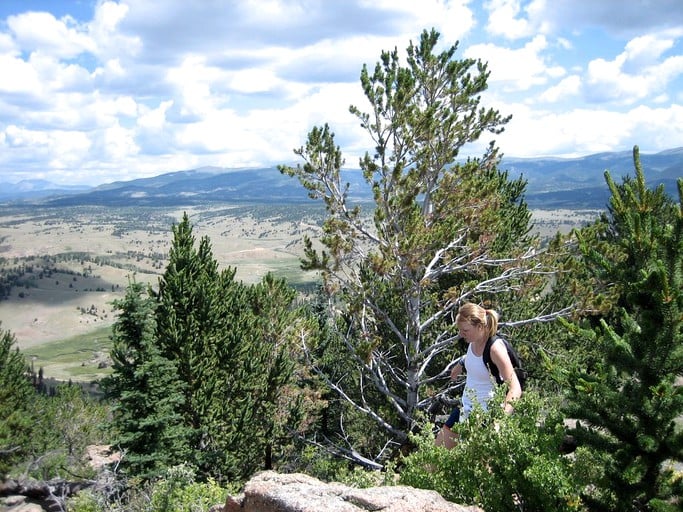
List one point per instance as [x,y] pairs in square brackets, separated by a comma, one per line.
[552,182]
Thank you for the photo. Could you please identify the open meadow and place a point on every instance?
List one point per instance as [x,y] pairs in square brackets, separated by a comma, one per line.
[61,269]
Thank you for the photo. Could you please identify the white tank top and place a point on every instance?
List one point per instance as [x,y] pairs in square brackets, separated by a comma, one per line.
[479,384]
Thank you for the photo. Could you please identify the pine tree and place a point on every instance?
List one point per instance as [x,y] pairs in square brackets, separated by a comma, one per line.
[232,347]
[256,402]
[440,232]
[16,423]
[629,402]
[148,395]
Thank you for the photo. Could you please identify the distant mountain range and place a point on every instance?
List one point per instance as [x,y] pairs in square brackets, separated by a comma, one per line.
[572,183]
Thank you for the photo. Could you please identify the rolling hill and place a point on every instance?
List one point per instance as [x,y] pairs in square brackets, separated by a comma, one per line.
[573,183]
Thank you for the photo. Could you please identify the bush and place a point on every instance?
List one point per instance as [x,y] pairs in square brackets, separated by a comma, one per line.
[502,462]
[175,491]
[320,464]
[178,491]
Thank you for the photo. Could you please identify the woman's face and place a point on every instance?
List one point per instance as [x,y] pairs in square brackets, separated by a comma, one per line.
[470,333]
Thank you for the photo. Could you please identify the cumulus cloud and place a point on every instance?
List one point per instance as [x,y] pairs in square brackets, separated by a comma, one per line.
[580,131]
[517,68]
[518,18]
[41,31]
[127,88]
[507,19]
[634,74]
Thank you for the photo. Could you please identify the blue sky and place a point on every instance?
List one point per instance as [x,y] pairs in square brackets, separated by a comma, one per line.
[97,91]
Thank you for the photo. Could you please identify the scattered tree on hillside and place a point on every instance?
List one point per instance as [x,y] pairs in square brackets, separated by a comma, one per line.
[441,232]
[628,401]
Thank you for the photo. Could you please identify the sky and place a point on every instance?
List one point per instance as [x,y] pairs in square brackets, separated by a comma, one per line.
[95,91]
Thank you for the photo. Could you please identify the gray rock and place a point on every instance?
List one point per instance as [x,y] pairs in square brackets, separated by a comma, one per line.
[269,491]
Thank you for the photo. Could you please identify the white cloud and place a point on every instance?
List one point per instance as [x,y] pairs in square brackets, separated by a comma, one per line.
[61,149]
[119,142]
[137,87]
[517,69]
[635,74]
[18,76]
[104,30]
[504,19]
[582,131]
[569,87]
[154,119]
[618,17]
[42,31]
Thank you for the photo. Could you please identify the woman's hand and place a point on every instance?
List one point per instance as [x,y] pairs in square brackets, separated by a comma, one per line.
[456,371]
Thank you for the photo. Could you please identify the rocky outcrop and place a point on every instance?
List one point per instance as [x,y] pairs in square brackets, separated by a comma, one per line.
[273,492]
[30,495]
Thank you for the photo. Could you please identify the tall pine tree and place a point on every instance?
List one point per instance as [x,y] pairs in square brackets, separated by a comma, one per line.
[628,403]
[440,232]
[147,424]
[205,369]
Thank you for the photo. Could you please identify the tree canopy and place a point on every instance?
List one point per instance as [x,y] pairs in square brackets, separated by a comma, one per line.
[441,230]
[628,402]
[204,367]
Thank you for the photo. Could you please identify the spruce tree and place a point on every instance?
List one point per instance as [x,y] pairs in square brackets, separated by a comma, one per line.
[148,396]
[16,397]
[628,402]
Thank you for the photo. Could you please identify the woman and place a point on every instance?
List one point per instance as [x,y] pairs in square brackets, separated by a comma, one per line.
[476,325]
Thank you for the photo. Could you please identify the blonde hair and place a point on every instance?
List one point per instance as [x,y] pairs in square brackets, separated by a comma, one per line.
[477,315]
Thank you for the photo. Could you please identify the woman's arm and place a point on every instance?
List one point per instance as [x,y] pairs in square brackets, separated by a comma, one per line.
[500,357]
[458,365]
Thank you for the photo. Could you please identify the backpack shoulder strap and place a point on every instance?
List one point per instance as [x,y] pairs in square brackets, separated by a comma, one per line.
[493,369]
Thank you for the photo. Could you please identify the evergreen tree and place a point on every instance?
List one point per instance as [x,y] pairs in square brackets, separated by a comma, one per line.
[190,318]
[628,402]
[16,395]
[257,401]
[441,232]
[146,423]
[232,347]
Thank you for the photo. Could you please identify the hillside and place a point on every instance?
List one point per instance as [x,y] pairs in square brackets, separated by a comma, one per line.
[569,183]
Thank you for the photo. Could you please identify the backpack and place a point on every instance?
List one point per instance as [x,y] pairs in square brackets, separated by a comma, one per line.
[514,358]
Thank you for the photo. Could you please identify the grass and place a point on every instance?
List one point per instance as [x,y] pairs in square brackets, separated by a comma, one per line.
[76,358]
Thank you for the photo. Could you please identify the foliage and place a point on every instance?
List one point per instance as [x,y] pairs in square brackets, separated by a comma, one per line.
[441,232]
[146,423]
[176,489]
[15,396]
[207,368]
[319,463]
[502,462]
[628,401]
[43,436]
[71,420]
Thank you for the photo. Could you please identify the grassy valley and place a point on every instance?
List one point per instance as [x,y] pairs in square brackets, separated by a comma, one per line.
[61,268]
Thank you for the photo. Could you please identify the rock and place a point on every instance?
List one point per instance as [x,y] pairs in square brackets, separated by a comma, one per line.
[273,492]
[18,504]
[99,456]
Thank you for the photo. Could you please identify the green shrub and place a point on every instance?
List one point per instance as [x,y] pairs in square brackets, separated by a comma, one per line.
[324,466]
[84,501]
[502,462]
[178,491]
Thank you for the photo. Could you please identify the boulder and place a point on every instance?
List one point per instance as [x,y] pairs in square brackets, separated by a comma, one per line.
[270,491]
